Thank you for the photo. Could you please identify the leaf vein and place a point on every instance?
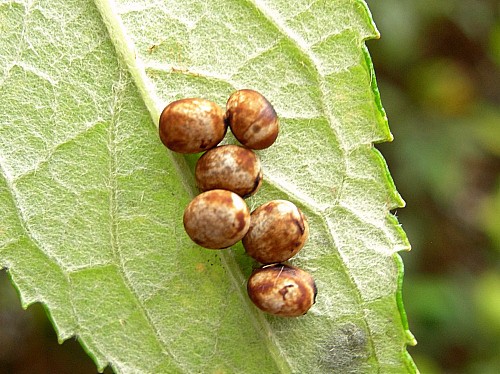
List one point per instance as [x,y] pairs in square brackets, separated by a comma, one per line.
[113,213]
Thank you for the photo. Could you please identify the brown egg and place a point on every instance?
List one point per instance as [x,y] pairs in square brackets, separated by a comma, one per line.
[282,290]
[278,230]
[229,167]
[252,119]
[192,125]
[216,219]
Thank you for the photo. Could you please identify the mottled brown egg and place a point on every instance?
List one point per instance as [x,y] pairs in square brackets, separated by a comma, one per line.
[252,119]
[282,290]
[278,230]
[192,125]
[216,219]
[229,167]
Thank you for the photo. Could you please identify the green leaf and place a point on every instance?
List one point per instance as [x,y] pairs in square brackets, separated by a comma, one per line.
[92,202]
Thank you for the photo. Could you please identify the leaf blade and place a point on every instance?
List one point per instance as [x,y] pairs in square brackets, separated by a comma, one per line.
[133,191]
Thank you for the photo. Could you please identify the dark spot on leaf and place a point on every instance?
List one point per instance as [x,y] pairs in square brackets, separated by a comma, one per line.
[347,350]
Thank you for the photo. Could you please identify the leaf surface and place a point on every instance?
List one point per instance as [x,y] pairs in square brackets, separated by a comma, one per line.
[92,202]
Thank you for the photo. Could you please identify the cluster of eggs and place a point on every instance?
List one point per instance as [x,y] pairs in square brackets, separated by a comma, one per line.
[219,217]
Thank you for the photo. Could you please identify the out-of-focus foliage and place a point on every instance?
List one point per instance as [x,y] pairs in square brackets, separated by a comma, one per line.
[438,69]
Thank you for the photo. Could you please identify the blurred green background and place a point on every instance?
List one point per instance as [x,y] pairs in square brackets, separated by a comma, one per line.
[438,70]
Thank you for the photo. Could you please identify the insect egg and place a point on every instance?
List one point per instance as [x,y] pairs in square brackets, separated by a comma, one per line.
[216,219]
[192,125]
[252,119]
[282,290]
[229,167]
[278,230]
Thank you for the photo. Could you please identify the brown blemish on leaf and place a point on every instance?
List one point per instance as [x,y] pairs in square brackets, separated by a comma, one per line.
[200,268]
[152,48]
[347,350]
